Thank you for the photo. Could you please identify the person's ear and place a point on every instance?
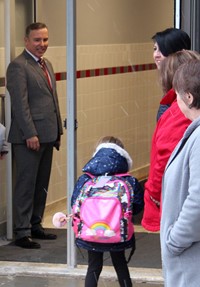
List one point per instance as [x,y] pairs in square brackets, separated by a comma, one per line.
[189,99]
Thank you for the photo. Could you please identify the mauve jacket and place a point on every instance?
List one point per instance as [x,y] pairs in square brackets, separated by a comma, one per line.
[169,130]
[180,220]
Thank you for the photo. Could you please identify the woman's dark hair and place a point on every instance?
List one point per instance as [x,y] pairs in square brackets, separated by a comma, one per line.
[186,80]
[172,40]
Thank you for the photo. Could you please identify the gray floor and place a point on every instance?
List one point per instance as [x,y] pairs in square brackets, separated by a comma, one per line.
[27,281]
[147,254]
[19,268]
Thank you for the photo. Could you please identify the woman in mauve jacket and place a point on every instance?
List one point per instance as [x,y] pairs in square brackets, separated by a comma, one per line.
[180,228]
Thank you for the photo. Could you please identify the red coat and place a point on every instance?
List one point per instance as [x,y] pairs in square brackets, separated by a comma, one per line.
[169,130]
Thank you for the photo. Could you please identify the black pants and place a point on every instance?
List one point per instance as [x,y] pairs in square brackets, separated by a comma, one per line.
[95,265]
[33,170]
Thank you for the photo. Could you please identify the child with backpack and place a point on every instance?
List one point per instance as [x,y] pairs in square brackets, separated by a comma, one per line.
[104,200]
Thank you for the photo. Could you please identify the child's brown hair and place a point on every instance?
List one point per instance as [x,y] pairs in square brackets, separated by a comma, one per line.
[110,139]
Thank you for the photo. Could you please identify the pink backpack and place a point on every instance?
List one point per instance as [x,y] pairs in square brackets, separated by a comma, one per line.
[102,212]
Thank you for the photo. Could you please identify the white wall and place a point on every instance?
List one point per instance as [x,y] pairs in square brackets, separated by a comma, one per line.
[109,33]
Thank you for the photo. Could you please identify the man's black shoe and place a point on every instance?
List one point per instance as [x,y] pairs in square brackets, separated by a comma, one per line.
[40,234]
[26,242]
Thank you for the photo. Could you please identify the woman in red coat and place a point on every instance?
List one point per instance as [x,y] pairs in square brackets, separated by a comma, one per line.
[169,130]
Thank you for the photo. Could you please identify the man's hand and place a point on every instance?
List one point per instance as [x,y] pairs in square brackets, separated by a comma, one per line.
[57,145]
[33,143]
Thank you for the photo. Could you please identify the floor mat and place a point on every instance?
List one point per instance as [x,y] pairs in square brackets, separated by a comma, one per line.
[147,254]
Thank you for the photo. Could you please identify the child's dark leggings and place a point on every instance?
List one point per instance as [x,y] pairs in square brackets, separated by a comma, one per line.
[95,265]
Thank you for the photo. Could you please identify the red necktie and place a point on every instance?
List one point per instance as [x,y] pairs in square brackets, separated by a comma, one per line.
[45,71]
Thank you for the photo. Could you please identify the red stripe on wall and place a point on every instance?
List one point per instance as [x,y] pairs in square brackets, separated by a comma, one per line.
[97,72]
[58,76]
[130,69]
[100,72]
[105,71]
[113,70]
[87,73]
[78,74]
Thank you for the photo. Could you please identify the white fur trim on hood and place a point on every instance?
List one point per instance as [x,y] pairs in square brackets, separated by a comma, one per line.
[118,149]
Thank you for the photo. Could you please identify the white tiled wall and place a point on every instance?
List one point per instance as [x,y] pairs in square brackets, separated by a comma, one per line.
[122,105]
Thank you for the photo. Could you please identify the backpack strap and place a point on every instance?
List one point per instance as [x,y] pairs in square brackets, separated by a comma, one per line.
[131,254]
[89,174]
[132,251]
[122,174]
[118,174]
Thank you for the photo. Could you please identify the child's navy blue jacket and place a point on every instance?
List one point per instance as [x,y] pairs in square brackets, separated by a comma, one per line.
[109,159]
